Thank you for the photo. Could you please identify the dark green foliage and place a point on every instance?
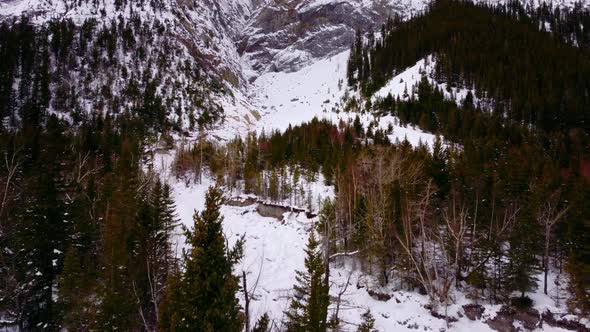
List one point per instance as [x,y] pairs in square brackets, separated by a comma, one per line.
[263,324]
[206,296]
[523,264]
[533,76]
[82,220]
[42,211]
[521,302]
[74,70]
[74,288]
[368,324]
[76,228]
[309,308]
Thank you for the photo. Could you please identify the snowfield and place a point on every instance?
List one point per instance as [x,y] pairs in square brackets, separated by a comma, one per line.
[278,100]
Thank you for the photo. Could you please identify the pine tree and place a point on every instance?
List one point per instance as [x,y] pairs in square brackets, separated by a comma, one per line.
[206,296]
[42,231]
[523,264]
[152,241]
[309,308]
[262,325]
[368,324]
[120,239]
[73,291]
[170,314]
[165,222]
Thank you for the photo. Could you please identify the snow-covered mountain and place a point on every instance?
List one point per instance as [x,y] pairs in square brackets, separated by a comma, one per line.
[230,42]
[184,49]
[241,51]
[286,35]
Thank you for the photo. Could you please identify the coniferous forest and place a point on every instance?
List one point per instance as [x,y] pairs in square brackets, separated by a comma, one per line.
[498,201]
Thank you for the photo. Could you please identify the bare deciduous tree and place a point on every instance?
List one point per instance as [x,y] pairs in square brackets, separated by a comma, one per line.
[12,164]
[548,215]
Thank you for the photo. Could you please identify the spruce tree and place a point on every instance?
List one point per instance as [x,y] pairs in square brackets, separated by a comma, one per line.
[262,325]
[309,308]
[368,324]
[523,264]
[74,286]
[207,289]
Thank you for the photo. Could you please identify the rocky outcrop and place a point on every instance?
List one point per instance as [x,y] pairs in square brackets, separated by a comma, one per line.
[277,211]
[503,321]
[241,202]
[266,209]
[379,296]
[550,319]
[530,319]
[473,311]
[272,210]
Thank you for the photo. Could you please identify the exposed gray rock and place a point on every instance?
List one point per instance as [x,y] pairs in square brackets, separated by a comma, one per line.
[241,202]
[529,318]
[271,210]
[285,35]
[550,319]
[379,296]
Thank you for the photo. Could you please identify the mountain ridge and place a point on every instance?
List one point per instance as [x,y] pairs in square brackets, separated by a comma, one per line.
[233,43]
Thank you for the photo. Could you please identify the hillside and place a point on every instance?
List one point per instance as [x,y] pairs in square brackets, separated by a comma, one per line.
[294,165]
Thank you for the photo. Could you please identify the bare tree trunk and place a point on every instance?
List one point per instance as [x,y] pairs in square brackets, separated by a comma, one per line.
[247,300]
[12,166]
[546,260]
[340,293]
[144,321]
[548,216]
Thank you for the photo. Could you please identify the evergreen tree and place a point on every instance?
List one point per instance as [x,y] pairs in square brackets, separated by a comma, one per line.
[156,220]
[73,290]
[523,263]
[205,299]
[42,230]
[309,308]
[120,240]
[368,324]
[262,325]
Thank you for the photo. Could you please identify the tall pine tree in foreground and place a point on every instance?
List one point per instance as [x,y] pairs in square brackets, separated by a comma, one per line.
[309,309]
[203,298]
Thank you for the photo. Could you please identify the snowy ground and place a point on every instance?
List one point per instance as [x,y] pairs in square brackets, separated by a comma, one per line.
[409,78]
[277,100]
[274,251]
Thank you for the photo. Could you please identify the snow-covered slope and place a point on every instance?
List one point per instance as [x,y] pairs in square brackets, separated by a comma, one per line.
[278,100]
[283,63]
[183,48]
[267,63]
[403,85]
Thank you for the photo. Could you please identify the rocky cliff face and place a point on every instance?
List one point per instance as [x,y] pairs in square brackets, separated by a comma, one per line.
[286,35]
[242,39]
